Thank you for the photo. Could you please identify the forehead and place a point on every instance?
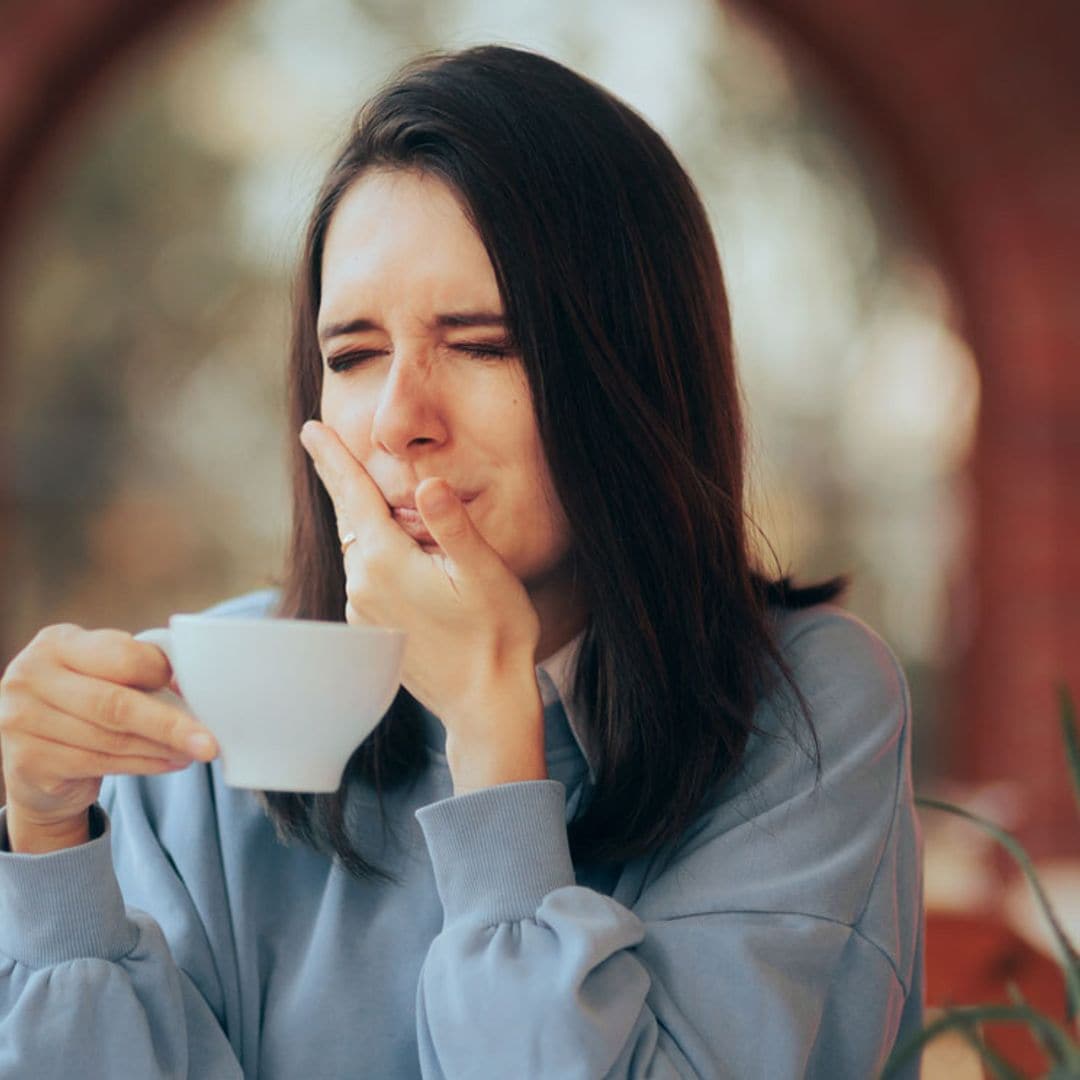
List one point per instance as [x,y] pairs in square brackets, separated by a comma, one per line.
[402,232]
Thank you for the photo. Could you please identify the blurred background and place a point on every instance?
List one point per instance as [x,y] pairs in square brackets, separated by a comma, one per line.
[147,319]
[915,424]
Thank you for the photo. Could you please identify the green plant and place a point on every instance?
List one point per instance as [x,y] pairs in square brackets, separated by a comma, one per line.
[1061,1044]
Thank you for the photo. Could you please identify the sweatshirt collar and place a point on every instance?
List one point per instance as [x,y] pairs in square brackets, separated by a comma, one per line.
[555,677]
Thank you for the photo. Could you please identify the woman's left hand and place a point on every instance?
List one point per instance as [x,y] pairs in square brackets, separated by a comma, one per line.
[472,629]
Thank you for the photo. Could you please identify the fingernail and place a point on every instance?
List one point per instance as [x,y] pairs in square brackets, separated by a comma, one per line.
[200,744]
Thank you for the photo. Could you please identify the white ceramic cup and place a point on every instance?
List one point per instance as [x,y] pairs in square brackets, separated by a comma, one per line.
[288,700]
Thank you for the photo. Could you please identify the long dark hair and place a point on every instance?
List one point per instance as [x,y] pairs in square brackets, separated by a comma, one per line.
[614,295]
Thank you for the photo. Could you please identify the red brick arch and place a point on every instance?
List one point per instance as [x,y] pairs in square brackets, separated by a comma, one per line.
[973,105]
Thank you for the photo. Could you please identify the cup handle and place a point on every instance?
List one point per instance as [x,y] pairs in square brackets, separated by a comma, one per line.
[162,638]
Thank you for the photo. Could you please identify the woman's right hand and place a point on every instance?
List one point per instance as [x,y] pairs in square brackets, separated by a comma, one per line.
[72,710]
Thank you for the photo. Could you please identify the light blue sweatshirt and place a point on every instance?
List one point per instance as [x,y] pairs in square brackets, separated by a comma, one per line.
[781,937]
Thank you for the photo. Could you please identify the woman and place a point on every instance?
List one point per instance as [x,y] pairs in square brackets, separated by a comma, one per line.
[637,810]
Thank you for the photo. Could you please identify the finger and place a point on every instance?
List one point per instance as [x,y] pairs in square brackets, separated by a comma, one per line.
[446,518]
[52,725]
[356,497]
[110,654]
[69,763]
[119,708]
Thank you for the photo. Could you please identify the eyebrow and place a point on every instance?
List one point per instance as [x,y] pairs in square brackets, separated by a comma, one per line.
[447,319]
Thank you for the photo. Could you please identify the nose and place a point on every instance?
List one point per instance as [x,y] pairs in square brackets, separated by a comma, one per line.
[408,414]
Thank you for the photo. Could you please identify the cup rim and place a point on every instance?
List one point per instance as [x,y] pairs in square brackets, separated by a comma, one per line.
[320,625]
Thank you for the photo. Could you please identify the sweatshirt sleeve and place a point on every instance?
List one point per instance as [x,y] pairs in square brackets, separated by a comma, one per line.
[780,937]
[89,987]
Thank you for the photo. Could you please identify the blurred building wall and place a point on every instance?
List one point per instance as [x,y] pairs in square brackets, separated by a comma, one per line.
[975,107]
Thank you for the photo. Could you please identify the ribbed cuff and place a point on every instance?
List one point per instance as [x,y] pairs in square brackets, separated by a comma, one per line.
[499,851]
[64,905]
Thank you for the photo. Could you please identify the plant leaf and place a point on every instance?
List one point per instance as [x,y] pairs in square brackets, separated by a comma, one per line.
[968,1016]
[1072,738]
[1072,757]
[994,1061]
[1049,1048]
[1070,960]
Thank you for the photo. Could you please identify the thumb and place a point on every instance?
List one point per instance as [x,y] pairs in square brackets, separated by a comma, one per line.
[446,518]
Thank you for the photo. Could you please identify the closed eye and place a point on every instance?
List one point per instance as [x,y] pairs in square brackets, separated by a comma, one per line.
[344,361]
[482,350]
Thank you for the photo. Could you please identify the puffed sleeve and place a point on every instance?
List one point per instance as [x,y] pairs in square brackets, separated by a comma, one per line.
[89,987]
[89,983]
[781,937]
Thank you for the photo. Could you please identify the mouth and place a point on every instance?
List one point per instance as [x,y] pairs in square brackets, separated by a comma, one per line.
[411,521]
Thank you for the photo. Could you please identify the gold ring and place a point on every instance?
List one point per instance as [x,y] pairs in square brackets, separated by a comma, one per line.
[346,540]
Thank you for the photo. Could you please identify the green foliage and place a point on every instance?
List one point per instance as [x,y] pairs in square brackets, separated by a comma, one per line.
[1072,740]
[1061,1045]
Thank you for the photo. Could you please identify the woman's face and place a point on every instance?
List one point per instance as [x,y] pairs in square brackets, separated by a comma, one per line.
[419,376]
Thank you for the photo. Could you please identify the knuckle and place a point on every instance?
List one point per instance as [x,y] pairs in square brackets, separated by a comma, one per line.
[356,609]
[171,728]
[14,759]
[127,666]
[35,768]
[112,742]
[18,688]
[15,677]
[52,785]
[115,709]
[358,584]
[119,653]
[57,636]
[9,717]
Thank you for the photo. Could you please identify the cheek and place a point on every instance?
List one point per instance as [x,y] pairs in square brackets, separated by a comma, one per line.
[549,525]
[349,415]
[544,544]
